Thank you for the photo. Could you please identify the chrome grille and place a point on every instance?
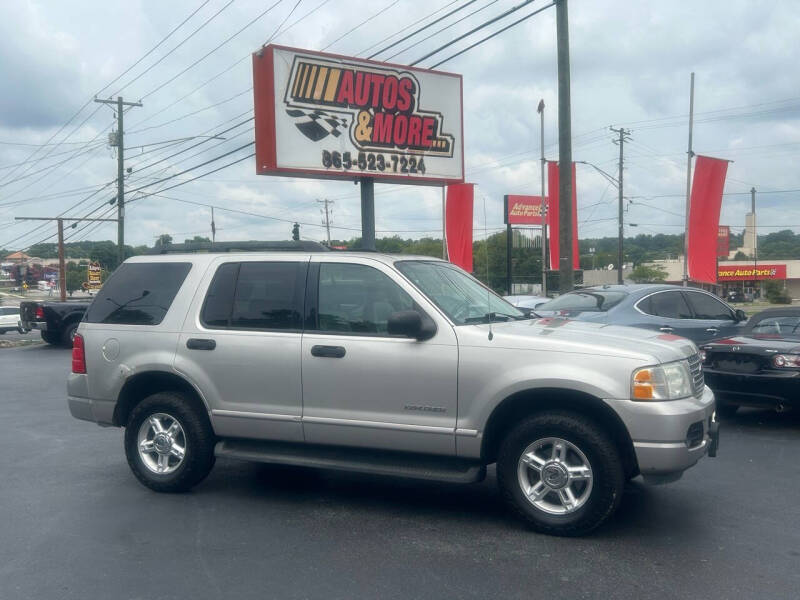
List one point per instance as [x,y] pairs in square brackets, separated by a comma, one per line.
[696,371]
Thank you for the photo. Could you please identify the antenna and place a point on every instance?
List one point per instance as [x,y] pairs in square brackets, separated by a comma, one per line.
[486,248]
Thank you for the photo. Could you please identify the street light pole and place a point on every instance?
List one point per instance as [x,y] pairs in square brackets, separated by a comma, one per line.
[540,110]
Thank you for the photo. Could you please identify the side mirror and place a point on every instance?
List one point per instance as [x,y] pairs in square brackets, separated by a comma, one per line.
[740,315]
[408,323]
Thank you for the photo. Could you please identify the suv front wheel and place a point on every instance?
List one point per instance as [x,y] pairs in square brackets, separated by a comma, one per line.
[561,473]
[169,446]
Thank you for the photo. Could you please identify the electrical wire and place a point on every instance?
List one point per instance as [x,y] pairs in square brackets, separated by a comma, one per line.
[364,22]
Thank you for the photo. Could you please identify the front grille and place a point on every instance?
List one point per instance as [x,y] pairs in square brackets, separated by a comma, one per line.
[696,371]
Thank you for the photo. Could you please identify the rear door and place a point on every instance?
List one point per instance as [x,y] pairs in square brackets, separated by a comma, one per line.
[240,344]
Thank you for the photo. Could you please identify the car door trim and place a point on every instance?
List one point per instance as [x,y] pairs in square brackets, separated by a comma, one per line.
[379,425]
[241,414]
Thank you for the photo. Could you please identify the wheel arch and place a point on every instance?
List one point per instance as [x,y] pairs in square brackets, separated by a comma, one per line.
[142,385]
[529,402]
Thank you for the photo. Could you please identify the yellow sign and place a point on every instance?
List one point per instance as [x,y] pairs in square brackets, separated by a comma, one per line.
[94,279]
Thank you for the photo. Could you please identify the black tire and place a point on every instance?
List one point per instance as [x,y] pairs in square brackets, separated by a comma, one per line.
[608,476]
[50,337]
[68,333]
[726,410]
[198,443]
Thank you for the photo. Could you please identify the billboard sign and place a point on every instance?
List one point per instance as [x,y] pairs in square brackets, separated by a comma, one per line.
[93,277]
[329,116]
[723,241]
[750,272]
[523,210]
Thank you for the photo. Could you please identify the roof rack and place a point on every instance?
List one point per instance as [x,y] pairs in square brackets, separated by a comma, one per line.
[284,246]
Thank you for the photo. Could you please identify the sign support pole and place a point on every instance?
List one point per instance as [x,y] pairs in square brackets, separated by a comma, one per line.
[689,155]
[367,213]
[444,222]
[544,200]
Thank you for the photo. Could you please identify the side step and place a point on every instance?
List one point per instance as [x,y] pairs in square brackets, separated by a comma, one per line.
[377,462]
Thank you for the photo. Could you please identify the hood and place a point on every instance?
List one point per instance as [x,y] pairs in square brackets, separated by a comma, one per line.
[567,335]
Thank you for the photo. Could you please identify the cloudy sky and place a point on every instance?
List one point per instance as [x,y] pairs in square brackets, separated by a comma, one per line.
[631,62]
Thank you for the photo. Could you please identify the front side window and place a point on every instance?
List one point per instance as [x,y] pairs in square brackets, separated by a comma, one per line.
[138,293]
[256,295]
[707,307]
[358,299]
[670,305]
[461,297]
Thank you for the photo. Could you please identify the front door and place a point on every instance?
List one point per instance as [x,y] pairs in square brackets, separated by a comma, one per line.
[240,345]
[364,387]
[713,318]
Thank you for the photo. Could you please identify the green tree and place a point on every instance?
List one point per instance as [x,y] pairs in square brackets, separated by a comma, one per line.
[648,274]
[197,239]
[163,240]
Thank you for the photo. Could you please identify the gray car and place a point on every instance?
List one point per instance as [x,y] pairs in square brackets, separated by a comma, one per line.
[383,364]
[689,312]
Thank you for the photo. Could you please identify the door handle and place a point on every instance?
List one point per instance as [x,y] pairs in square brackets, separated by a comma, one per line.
[200,344]
[666,329]
[712,330]
[328,351]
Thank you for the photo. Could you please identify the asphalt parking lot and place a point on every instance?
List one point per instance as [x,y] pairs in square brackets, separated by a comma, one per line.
[74,523]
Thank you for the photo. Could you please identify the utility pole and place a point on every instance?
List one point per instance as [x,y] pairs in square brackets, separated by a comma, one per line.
[689,155]
[327,202]
[444,222]
[623,135]
[119,142]
[565,273]
[62,268]
[755,238]
[213,229]
[540,110]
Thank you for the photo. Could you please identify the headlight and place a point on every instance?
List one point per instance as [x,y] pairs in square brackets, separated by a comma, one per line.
[664,382]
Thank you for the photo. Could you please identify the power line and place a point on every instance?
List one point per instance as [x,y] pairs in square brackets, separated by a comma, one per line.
[210,52]
[488,37]
[364,22]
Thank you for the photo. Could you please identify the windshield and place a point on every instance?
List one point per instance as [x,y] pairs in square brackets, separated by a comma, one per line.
[585,300]
[460,296]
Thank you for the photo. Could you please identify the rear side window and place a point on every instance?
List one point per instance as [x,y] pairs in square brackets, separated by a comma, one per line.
[138,293]
[670,305]
[256,295]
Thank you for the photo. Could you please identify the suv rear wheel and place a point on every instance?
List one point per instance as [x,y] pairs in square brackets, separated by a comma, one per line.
[169,446]
[561,473]
[50,337]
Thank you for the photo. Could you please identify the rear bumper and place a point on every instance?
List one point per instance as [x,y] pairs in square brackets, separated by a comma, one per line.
[755,389]
[97,411]
[29,325]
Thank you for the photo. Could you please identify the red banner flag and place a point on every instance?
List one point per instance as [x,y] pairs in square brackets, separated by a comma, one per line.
[458,224]
[552,216]
[704,208]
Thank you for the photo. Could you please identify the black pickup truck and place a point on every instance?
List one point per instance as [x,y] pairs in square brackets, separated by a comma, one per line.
[57,321]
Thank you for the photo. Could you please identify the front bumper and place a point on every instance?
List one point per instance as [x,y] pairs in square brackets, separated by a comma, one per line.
[670,436]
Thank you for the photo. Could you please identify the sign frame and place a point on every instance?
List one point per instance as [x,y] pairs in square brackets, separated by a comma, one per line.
[267,145]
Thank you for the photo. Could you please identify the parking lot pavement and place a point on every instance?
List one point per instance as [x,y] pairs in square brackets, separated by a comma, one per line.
[74,523]
[15,336]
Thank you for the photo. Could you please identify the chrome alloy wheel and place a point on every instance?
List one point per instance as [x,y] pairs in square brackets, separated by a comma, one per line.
[161,443]
[555,476]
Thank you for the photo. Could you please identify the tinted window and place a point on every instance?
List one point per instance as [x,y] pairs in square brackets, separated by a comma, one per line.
[671,305]
[138,293]
[266,295]
[786,326]
[596,300]
[218,305]
[358,299]
[707,307]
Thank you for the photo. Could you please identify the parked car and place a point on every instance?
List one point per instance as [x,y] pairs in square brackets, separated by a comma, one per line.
[688,312]
[525,301]
[393,365]
[9,319]
[57,321]
[758,367]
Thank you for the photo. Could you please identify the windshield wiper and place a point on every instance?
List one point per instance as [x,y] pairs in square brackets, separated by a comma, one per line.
[493,317]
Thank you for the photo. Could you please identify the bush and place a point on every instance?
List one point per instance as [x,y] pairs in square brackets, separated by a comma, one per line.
[776,294]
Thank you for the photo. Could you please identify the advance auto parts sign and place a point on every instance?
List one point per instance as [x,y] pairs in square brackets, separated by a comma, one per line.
[327,116]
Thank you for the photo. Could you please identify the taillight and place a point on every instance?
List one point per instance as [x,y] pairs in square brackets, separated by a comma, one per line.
[783,361]
[39,312]
[78,354]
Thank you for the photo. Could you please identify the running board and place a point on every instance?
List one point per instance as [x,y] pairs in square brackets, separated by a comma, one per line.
[376,462]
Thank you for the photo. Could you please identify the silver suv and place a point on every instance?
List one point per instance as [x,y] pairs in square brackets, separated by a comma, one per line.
[383,364]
